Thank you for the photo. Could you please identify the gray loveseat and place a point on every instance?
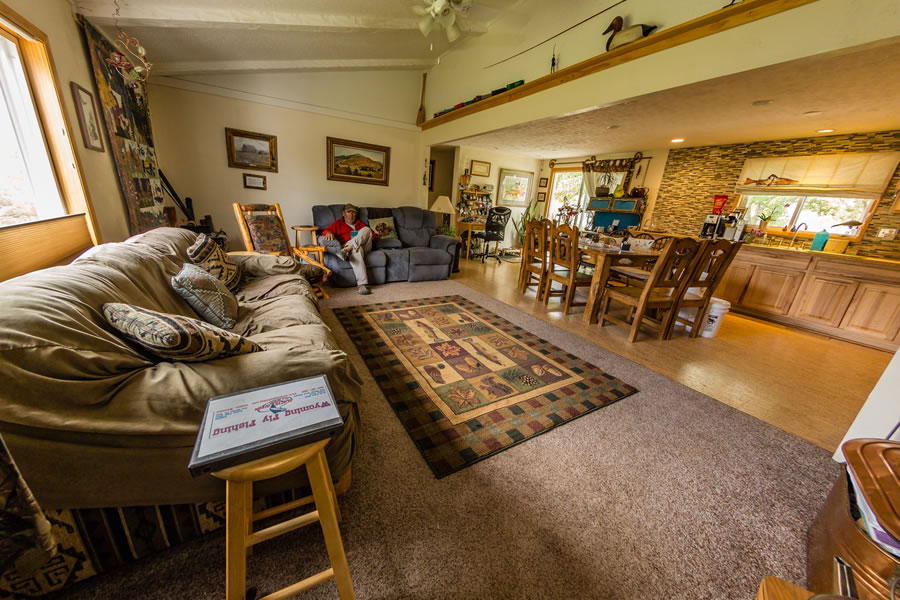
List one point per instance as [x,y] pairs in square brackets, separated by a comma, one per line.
[418,254]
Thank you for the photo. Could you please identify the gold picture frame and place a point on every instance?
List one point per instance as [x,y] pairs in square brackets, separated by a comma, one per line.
[251,150]
[480,168]
[88,118]
[357,162]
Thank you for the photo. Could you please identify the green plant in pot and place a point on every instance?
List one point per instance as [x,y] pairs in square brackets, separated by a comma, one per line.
[521,224]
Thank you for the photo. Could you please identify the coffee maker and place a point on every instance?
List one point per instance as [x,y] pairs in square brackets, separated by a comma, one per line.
[713,226]
[734,228]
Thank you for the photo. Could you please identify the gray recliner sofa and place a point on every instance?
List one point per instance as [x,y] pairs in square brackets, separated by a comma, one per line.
[418,254]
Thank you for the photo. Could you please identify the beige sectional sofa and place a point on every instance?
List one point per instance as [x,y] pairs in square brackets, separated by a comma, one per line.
[93,422]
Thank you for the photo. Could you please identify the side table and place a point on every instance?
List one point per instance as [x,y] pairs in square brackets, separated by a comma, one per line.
[298,229]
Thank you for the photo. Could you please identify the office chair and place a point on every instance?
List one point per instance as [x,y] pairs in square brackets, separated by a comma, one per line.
[494,230]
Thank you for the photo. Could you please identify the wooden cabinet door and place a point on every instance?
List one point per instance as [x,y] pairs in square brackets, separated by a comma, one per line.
[874,311]
[772,290]
[734,282]
[824,300]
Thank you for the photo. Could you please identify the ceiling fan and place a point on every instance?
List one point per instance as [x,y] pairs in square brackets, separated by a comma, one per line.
[444,13]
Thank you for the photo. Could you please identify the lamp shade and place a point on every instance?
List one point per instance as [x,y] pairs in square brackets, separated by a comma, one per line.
[442,204]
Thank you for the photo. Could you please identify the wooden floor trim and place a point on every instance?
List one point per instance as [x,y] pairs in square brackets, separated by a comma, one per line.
[706,25]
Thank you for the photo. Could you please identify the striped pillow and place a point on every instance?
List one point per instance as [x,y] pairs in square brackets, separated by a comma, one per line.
[206,254]
[173,337]
[207,295]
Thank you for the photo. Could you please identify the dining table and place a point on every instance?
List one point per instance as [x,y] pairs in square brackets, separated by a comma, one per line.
[604,257]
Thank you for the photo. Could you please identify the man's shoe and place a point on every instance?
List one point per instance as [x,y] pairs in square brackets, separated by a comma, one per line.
[343,254]
[363,290]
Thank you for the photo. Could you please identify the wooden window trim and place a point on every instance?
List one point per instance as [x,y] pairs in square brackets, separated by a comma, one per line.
[553,172]
[43,82]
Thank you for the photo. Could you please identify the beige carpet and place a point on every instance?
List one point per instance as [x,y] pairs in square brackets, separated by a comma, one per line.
[669,494]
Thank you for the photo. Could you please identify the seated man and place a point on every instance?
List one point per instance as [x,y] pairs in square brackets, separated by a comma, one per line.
[356,239]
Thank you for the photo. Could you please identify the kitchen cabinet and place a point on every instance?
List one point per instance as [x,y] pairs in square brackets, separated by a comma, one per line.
[852,298]
[771,290]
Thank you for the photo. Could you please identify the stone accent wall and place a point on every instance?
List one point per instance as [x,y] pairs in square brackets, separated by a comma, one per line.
[692,177]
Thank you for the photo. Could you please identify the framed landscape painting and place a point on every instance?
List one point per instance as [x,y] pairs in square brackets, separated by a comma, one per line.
[249,150]
[358,162]
[514,187]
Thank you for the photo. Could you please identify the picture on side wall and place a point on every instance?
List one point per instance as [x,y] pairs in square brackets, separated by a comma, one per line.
[249,150]
[481,168]
[357,162]
[542,196]
[542,183]
[87,117]
[514,187]
[254,182]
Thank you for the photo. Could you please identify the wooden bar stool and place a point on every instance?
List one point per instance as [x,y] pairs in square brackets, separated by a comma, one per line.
[239,534]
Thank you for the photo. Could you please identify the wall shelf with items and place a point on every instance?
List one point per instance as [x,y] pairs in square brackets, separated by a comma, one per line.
[473,205]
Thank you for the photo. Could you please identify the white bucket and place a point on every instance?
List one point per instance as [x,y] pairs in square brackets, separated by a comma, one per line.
[718,308]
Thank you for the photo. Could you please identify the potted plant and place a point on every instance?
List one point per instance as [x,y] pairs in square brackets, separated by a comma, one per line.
[520,225]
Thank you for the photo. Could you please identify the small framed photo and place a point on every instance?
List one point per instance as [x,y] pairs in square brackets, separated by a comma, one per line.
[88,120]
[542,182]
[249,150]
[542,196]
[514,187]
[357,162]
[254,182]
[480,168]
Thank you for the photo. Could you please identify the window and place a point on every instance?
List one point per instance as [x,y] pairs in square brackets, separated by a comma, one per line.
[564,185]
[817,212]
[28,187]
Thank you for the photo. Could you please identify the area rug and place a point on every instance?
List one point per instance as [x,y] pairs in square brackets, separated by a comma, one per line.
[466,383]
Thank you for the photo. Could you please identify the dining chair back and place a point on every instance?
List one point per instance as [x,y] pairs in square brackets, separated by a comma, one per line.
[563,268]
[667,280]
[534,256]
[712,263]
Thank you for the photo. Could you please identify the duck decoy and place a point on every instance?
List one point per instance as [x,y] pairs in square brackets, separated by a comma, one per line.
[623,36]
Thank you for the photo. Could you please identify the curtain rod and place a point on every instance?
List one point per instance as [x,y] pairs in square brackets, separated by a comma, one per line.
[593,160]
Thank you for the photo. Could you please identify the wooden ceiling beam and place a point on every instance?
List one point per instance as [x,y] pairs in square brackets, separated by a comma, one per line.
[174,69]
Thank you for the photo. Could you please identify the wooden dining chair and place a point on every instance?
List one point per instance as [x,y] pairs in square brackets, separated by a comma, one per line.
[639,275]
[534,256]
[714,259]
[263,231]
[668,278]
[563,267]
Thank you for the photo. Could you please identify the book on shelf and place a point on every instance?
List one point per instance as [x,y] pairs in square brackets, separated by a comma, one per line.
[248,425]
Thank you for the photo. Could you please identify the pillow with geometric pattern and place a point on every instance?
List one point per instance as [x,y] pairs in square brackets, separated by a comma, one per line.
[173,337]
[206,295]
[206,254]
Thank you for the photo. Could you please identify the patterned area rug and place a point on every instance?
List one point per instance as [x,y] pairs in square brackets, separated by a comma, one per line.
[468,384]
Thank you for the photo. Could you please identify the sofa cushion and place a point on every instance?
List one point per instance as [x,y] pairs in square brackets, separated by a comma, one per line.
[414,225]
[207,295]
[174,337]
[381,244]
[207,254]
[397,264]
[267,233]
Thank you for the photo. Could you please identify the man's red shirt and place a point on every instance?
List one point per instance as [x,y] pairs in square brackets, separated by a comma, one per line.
[342,231]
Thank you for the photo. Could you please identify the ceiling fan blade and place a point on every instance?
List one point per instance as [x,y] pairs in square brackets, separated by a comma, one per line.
[453,32]
[447,17]
[426,24]
[420,10]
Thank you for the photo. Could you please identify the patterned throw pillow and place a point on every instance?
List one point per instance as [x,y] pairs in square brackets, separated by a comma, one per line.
[173,337]
[384,228]
[206,254]
[267,234]
[206,295]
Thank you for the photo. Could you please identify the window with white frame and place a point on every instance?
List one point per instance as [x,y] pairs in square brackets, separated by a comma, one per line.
[28,187]
[837,193]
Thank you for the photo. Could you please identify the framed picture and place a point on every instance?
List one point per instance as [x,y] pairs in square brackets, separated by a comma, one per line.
[87,117]
[481,168]
[431,176]
[254,182]
[542,182]
[248,150]
[358,162]
[514,187]
[542,196]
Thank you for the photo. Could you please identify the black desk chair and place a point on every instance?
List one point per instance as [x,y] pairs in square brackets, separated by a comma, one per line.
[494,230]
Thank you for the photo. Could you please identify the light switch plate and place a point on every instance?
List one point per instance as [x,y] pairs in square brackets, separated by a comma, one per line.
[887,234]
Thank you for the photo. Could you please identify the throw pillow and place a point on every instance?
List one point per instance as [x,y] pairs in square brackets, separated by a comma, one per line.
[173,337]
[384,228]
[207,295]
[206,254]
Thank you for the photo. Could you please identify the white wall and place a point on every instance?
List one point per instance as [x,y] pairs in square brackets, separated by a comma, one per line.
[54,18]
[823,26]
[189,128]
[881,412]
[498,160]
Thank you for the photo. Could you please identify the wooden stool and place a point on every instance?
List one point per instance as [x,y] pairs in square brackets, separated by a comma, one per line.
[239,534]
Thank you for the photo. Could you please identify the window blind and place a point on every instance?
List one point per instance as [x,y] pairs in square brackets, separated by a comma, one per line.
[846,175]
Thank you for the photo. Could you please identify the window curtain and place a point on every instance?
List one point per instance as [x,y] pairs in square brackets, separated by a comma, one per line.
[845,175]
[588,184]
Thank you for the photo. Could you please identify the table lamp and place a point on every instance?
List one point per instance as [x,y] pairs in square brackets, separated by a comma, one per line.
[444,206]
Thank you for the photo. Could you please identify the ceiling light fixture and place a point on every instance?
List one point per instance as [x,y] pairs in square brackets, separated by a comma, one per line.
[812,113]
[825,131]
[444,13]
[677,140]
[129,53]
[761,102]
[612,126]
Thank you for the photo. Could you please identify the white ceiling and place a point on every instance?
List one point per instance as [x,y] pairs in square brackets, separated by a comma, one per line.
[856,90]
[238,36]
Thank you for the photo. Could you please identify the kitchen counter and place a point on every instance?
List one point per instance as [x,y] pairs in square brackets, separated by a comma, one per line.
[854,298]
